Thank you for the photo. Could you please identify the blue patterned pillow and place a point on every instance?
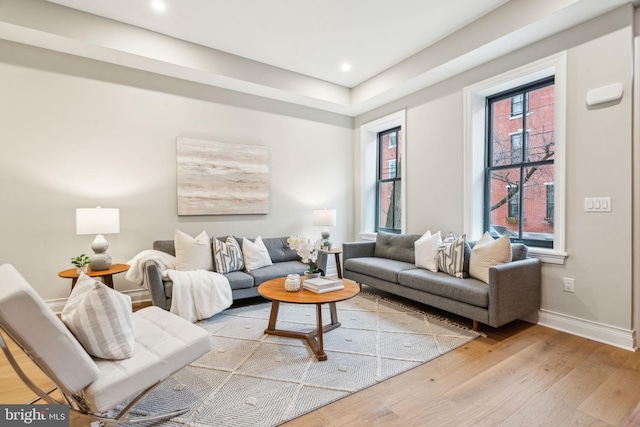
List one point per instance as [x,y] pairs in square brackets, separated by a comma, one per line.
[227,255]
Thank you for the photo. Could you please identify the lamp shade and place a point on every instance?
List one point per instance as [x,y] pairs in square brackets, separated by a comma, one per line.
[324,217]
[97,220]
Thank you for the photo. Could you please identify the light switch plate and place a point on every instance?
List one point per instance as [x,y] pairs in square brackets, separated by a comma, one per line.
[597,204]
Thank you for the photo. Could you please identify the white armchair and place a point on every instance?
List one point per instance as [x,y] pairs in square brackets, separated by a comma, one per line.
[92,387]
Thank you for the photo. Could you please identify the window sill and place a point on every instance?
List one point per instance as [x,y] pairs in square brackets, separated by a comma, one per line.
[548,256]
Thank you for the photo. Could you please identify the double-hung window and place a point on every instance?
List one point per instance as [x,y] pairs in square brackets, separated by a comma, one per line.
[519,169]
[388,188]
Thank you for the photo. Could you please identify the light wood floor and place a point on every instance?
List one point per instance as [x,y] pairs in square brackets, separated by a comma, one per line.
[519,375]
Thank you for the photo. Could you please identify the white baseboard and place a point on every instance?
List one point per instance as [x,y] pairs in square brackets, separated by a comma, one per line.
[137,295]
[612,335]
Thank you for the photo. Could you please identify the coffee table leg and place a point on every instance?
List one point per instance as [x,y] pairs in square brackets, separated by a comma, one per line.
[334,313]
[320,352]
[273,317]
[313,338]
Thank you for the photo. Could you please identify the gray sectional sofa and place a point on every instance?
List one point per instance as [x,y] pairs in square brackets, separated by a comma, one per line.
[244,284]
[388,264]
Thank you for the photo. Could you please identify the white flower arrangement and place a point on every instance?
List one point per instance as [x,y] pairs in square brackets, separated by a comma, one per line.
[306,250]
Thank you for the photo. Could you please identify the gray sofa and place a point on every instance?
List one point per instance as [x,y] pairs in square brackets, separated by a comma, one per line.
[389,265]
[244,284]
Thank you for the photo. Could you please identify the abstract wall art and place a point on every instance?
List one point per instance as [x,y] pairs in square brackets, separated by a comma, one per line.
[219,178]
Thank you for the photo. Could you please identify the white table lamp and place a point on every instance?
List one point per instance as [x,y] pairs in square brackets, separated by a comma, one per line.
[325,218]
[98,221]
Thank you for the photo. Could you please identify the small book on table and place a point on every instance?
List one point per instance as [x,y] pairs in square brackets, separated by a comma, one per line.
[321,285]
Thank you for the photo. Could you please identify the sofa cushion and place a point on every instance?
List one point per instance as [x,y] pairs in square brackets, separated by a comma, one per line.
[167,246]
[279,249]
[278,269]
[237,280]
[381,268]
[398,247]
[469,290]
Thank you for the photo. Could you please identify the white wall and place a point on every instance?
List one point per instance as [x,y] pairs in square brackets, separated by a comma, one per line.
[80,133]
[599,163]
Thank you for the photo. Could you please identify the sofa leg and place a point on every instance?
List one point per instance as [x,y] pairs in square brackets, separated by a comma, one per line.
[475,325]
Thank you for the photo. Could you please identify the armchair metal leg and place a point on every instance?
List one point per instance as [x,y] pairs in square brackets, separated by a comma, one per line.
[25,379]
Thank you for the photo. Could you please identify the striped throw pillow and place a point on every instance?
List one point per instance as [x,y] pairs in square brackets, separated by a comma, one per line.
[227,255]
[451,256]
[101,319]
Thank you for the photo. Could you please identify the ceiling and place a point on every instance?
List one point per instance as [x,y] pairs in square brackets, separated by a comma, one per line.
[292,50]
[310,37]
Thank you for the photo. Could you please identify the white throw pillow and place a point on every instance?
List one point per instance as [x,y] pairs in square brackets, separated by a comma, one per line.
[101,319]
[255,254]
[227,255]
[488,253]
[193,253]
[426,250]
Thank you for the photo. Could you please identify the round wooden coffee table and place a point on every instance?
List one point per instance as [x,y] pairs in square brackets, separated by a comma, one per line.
[274,290]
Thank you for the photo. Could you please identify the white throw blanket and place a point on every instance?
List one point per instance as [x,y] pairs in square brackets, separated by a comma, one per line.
[163,261]
[198,294]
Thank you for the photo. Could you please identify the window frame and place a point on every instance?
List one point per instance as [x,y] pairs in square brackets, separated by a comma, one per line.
[395,180]
[366,185]
[474,131]
[515,203]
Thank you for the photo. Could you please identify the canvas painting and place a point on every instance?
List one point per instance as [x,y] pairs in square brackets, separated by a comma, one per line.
[218,178]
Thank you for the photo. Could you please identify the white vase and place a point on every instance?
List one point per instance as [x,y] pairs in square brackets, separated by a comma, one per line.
[292,283]
[82,269]
[308,275]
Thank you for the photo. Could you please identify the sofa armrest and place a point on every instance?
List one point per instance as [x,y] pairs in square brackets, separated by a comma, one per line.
[357,250]
[514,290]
[156,285]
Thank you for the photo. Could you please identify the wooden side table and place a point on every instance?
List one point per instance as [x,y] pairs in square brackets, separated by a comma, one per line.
[105,275]
[337,251]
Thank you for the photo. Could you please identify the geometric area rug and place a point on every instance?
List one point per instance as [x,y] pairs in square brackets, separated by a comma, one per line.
[253,379]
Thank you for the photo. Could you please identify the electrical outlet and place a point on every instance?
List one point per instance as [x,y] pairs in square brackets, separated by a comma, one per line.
[569,284]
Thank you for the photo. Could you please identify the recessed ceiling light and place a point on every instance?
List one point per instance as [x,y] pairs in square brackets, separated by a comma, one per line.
[345,67]
[158,5]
